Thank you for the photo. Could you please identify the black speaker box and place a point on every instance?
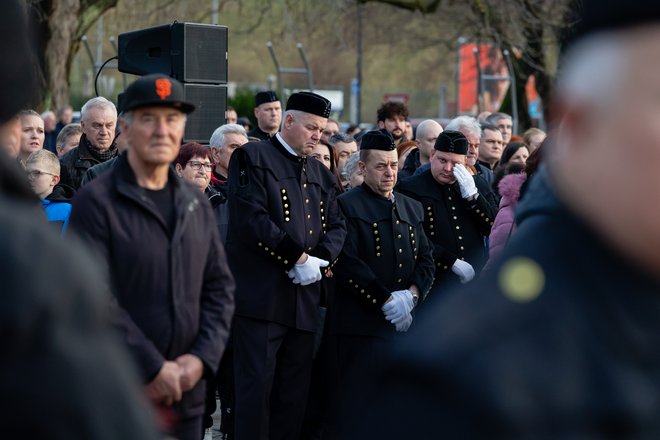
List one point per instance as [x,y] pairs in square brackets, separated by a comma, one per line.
[210,104]
[189,52]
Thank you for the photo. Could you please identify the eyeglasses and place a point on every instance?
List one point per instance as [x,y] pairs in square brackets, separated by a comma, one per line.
[35,174]
[196,165]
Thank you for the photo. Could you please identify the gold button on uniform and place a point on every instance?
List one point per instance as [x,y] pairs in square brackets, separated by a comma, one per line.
[521,279]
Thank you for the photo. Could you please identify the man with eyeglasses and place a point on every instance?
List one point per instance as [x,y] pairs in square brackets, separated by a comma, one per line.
[156,235]
[458,215]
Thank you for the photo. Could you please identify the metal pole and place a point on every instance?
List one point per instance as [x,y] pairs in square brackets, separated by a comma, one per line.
[123,75]
[480,81]
[514,96]
[310,83]
[99,43]
[280,86]
[215,9]
[359,64]
[88,49]
[461,41]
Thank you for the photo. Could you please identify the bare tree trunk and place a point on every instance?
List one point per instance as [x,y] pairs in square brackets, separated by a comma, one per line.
[62,27]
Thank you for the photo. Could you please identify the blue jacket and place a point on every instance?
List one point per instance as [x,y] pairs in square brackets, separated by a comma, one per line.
[58,206]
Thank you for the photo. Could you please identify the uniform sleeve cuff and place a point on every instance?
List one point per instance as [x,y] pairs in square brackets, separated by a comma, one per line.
[289,250]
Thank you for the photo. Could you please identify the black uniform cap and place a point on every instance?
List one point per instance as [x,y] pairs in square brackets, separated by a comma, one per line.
[377,140]
[265,97]
[309,102]
[451,141]
[155,90]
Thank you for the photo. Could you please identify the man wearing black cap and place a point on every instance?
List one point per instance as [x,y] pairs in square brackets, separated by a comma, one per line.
[560,337]
[284,230]
[156,235]
[457,215]
[268,112]
[384,269]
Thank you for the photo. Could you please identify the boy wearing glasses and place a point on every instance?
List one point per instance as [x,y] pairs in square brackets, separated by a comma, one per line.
[43,171]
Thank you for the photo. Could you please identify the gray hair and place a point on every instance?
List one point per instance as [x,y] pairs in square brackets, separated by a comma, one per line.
[465,124]
[494,117]
[66,132]
[341,137]
[351,166]
[46,114]
[98,102]
[218,137]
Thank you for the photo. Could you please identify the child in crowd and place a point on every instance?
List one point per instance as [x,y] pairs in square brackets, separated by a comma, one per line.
[43,170]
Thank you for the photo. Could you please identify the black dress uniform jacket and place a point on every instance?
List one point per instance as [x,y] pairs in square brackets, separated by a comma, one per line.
[456,227]
[569,348]
[173,289]
[385,250]
[259,134]
[280,206]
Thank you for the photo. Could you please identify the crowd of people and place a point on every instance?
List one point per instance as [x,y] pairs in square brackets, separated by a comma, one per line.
[313,283]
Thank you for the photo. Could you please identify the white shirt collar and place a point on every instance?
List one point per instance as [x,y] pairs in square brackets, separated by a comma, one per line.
[285,145]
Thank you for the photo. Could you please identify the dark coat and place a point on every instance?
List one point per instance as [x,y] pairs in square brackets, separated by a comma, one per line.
[174,292]
[280,206]
[385,250]
[456,227]
[58,349]
[411,164]
[76,162]
[569,348]
[258,133]
[220,207]
[98,169]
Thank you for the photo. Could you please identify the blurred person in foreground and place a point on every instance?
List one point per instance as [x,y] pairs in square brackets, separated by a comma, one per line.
[62,373]
[156,235]
[561,338]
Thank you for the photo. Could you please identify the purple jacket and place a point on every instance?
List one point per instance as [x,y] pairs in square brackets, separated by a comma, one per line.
[509,189]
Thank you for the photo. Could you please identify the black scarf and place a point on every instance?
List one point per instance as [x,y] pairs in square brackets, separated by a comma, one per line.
[97,154]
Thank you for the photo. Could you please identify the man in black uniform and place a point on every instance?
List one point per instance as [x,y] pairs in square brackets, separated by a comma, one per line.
[268,112]
[458,214]
[284,228]
[561,337]
[385,267]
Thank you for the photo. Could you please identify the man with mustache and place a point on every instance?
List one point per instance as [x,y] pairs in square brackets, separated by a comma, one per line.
[392,117]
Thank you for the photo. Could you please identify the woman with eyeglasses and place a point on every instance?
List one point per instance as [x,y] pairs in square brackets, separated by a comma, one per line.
[195,166]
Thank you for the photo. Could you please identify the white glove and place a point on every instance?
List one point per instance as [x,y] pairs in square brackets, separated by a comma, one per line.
[308,272]
[464,270]
[398,310]
[465,181]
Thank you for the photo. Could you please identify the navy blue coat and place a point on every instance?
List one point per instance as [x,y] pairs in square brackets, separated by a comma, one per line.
[561,339]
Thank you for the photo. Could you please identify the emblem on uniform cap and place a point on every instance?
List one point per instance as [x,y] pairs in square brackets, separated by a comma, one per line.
[163,88]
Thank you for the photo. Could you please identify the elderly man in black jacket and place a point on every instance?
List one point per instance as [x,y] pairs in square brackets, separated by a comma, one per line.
[284,229]
[97,145]
[173,292]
